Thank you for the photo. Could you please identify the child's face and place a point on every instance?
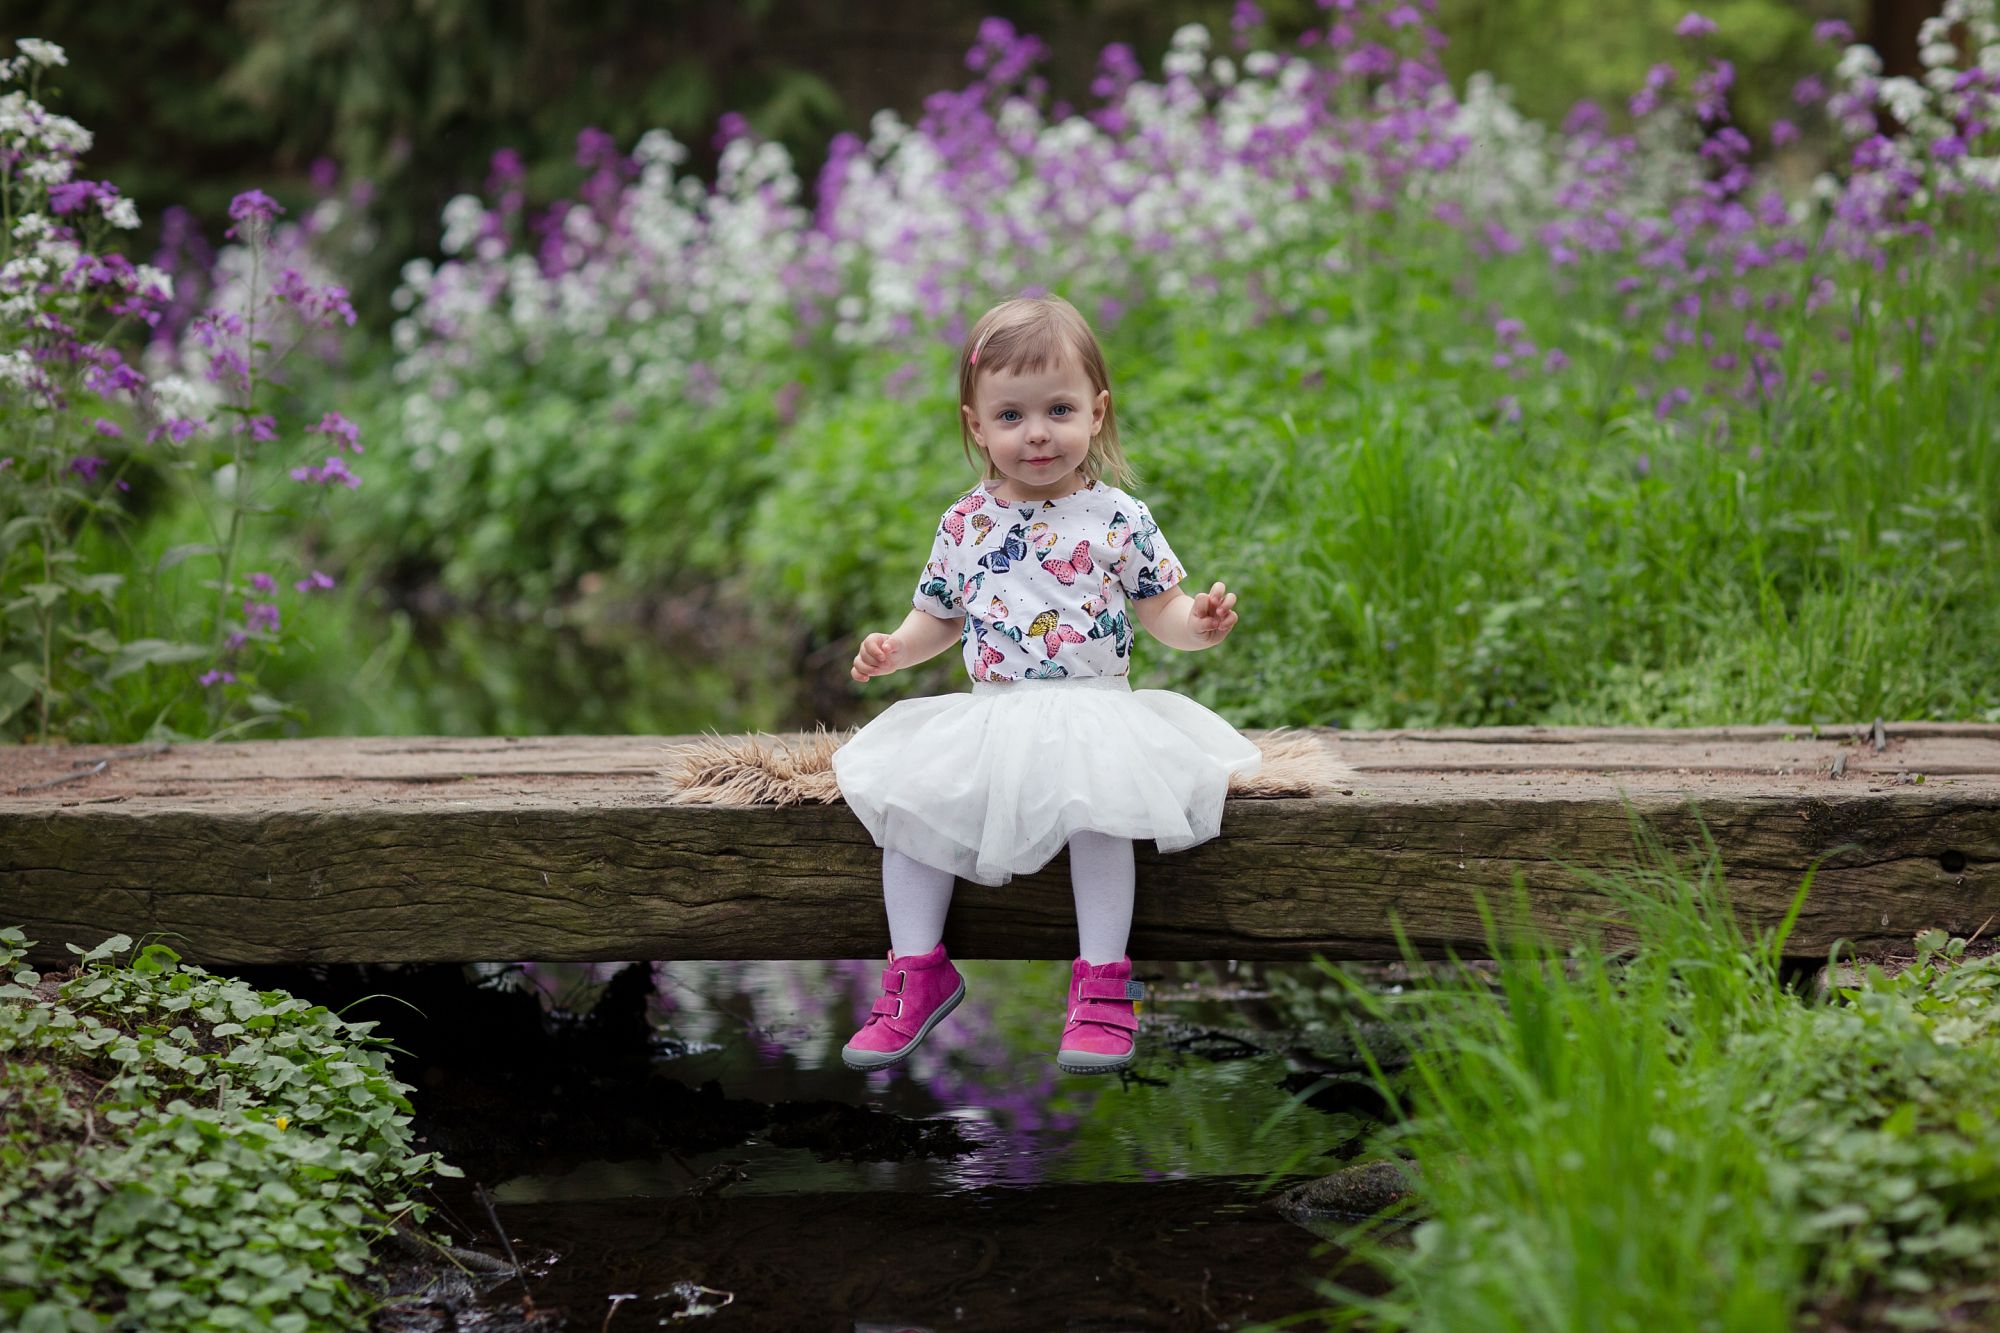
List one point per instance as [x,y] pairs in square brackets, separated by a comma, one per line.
[1036,426]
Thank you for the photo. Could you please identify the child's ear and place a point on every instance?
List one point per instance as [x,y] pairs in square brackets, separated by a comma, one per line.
[972,424]
[1099,409]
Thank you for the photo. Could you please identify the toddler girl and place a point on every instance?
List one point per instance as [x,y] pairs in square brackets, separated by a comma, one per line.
[1034,572]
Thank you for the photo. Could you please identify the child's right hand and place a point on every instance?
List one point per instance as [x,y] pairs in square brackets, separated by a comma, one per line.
[877,656]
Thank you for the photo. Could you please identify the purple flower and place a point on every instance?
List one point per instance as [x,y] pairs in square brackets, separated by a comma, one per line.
[177,429]
[86,467]
[212,677]
[263,582]
[1783,132]
[318,306]
[1670,400]
[504,170]
[334,471]
[1833,30]
[1501,239]
[1809,90]
[260,615]
[318,580]
[254,207]
[333,423]
[108,428]
[72,195]
[263,427]
[731,127]
[1694,25]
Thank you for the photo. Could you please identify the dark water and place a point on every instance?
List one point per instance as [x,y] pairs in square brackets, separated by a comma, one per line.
[419,668]
[679,1145]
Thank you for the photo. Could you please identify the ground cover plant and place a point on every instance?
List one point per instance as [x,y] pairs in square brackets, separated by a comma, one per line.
[182,1151]
[1664,1133]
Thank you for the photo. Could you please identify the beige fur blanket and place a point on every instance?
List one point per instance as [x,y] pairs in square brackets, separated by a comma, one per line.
[795,767]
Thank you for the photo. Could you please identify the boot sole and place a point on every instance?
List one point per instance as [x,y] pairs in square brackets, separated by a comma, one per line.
[1110,1063]
[883,1059]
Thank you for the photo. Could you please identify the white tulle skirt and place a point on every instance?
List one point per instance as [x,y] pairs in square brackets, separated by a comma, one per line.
[991,784]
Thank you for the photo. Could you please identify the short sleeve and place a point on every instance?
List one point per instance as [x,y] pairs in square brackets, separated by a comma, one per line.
[935,592]
[1148,567]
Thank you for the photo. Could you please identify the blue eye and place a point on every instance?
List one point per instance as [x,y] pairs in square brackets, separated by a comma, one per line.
[1009,414]
[1063,408]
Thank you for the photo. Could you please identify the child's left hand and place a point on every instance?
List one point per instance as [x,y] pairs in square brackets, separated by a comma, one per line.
[1212,616]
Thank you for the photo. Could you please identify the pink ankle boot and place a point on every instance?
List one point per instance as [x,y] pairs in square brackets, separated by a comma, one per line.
[1103,1022]
[917,991]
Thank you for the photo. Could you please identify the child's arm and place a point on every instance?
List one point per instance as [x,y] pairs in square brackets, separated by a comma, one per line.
[1188,623]
[919,638]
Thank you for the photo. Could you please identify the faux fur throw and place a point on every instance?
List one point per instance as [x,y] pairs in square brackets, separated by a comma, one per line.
[796,766]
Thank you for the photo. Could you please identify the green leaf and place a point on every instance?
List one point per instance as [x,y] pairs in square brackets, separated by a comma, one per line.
[155,958]
[152,652]
[116,944]
[14,693]
[103,640]
[16,530]
[98,585]
[174,555]
[46,595]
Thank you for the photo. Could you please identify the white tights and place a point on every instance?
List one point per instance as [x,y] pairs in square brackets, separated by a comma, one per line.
[1100,874]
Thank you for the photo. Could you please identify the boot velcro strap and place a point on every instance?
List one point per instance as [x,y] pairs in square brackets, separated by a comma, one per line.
[1107,1015]
[889,1006]
[1107,988]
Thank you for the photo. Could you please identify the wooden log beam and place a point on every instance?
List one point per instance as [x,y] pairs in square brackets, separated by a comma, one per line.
[438,849]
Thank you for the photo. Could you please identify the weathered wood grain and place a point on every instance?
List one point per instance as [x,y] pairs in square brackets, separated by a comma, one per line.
[563,848]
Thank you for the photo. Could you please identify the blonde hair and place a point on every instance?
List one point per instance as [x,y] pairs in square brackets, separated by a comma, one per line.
[1033,333]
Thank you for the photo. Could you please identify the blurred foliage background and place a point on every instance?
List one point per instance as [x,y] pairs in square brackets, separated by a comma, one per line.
[194,100]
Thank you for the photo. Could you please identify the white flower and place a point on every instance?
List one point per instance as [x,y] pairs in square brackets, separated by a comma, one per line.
[30,226]
[48,170]
[41,52]
[1938,55]
[157,282]
[17,369]
[1905,98]
[21,269]
[179,396]
[463,215]
[120,212]
[1857,62]
[658,146]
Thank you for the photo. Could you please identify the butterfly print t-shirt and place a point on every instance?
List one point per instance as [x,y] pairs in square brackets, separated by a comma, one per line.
[1043,584]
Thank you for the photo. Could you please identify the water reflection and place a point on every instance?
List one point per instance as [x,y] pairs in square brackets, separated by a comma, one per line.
[375,670]
[1185,1110]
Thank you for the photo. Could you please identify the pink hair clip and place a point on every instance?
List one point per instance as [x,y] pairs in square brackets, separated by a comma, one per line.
[976,346]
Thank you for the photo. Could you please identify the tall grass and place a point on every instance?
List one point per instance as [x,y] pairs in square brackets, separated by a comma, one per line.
[1659,1134]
